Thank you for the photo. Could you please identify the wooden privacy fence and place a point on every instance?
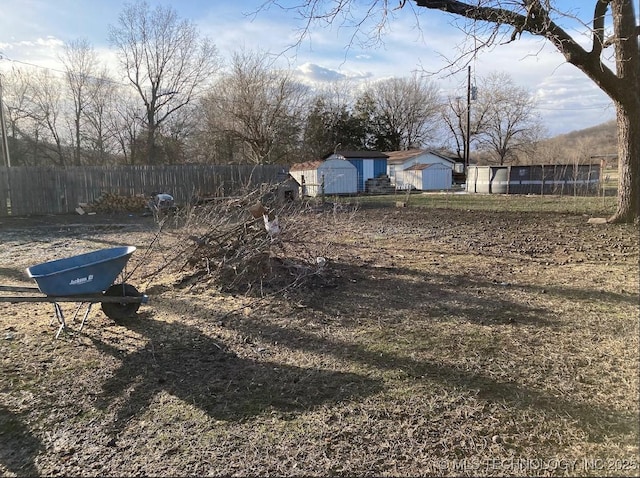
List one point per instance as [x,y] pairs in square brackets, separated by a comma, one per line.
[26,190]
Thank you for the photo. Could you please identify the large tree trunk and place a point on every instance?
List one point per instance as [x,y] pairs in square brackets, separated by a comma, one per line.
[150,146]
[628,165]
[627,99]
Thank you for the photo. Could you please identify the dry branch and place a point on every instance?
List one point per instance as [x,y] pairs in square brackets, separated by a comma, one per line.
[252,245]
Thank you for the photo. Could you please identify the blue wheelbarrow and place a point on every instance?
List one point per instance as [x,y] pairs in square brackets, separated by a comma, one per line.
[85,279]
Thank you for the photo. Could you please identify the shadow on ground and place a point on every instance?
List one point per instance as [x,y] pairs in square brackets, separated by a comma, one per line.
[180,360]
[18,447]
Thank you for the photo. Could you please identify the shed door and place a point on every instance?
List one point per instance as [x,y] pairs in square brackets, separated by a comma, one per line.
[379,167]
[367,172]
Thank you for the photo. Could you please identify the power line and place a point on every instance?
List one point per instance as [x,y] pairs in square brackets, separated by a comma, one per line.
[108,80]
[5,57]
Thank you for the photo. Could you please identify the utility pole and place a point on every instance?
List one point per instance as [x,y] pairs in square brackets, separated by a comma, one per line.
[468,132]
[5,202]
[5,142]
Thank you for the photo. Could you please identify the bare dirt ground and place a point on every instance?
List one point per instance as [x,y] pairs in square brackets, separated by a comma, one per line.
[442,343]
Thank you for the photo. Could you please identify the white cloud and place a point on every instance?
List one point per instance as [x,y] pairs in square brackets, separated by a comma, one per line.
[313,73]
[570,101]
[317,73]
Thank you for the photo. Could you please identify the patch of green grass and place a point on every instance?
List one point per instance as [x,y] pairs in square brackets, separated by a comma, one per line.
[594,206]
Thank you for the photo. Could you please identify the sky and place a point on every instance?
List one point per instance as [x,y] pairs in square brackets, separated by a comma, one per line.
[415,40]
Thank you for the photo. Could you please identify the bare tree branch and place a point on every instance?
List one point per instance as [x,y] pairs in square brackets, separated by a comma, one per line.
[164,59]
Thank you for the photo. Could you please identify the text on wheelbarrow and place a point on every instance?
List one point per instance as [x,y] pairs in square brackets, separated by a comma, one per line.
[81,280]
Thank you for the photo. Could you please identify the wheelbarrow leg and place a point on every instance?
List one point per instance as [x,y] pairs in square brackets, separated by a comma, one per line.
[73,319]
[75,314]
[60,317]
[86,314]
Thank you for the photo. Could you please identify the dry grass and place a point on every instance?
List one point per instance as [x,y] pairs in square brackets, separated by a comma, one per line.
[448,343]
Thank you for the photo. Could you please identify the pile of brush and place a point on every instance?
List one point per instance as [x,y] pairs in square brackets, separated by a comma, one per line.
[252,246]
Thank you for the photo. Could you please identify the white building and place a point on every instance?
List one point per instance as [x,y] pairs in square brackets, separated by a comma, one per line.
[421,169]
[336,176]
[425,177]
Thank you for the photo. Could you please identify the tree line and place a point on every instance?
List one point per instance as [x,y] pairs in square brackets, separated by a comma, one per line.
[172,101]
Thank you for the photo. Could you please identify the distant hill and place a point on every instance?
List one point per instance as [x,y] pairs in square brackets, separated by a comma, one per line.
[585,145]
[604,134]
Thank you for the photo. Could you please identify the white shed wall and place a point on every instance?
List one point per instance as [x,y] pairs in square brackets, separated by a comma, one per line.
[436,177]
[398,174]
[311,186]
[409,179]
[340,177]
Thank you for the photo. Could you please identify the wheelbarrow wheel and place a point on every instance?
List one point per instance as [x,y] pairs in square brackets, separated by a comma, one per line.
[118,310]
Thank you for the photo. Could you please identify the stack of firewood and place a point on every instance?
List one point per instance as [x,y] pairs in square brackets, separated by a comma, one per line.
[113,203]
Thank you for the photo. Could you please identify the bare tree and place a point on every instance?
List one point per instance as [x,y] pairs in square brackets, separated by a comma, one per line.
[493,21]
[331,120]
[16,86]
[454,115]
[125,125]
[405,112]
[101,102]
[46,111]
[507,122]
[80,63]
[256,107]
[165,60]
[46,124]
[546,151]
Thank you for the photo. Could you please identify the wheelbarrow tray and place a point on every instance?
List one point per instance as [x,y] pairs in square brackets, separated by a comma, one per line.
[89,273]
